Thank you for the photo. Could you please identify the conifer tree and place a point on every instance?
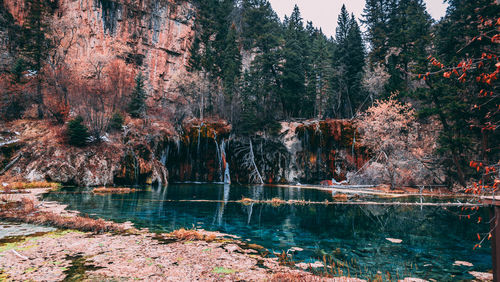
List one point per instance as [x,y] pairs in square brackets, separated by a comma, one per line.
[137,105]
[293,77]
[231,66]
[77,132]
[320,75]
[375,19]
[35,44]
[348,67]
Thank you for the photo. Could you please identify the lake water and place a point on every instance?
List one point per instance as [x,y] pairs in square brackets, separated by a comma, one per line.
[433,237]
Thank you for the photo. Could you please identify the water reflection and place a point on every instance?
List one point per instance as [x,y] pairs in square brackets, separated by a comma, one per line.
[432,237]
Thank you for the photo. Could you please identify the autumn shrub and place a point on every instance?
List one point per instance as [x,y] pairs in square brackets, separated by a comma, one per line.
[187,234]
[403,147]
[77,132]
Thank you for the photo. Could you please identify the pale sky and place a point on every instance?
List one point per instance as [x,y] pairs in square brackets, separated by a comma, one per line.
[324,13]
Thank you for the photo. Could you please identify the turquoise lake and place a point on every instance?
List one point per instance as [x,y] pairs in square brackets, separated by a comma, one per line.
[433,237]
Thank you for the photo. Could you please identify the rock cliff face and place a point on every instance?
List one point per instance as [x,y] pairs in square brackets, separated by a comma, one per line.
[150,35]
[305,152]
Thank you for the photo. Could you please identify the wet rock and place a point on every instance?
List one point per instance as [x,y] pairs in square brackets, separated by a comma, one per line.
[232,248]
[463,263]
[393,240]
[482,276]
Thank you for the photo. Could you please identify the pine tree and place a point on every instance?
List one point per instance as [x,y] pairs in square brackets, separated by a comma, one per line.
[355,62]
[348,66]
[260,26]
[375,19]
[398,32]
[35,44]
[261,32]
[137,105]
[409,35]
[293,77]
[77,132]
[231,67]
[320,76]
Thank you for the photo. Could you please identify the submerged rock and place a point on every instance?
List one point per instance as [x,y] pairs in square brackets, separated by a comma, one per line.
[482,276]
[463,263]
[393,240]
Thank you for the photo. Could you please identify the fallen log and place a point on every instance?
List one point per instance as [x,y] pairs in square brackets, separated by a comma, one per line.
[2,144]
[9,165]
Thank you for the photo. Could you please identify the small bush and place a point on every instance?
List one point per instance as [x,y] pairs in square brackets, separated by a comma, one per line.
[116,121]
[137,105]
[77,132]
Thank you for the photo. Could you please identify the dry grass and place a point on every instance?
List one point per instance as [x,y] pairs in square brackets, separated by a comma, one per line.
[294,277]
[246,201]
[25,211]
[340,197]
[31,185]
[276,202]
[191,235]
[107,190]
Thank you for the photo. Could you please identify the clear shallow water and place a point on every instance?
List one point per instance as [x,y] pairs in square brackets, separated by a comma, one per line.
[433,237]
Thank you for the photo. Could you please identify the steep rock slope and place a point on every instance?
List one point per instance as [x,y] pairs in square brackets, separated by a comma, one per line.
[151,36]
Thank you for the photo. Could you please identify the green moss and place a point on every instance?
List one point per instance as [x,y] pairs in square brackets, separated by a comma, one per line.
[223,270]
[17,242]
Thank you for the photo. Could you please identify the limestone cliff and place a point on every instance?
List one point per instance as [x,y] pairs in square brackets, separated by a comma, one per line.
[151,35]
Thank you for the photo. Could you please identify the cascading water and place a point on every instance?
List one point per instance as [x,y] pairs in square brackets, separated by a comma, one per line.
[136,169]
[227,176]
[219,156]
[199,141]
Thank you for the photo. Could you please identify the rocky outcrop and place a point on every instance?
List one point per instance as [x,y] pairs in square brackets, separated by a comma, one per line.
[305,152]
[127,157]
[8,33]
[150,36]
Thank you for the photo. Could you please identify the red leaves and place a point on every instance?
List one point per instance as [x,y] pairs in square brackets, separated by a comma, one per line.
[462,77]
[496,38]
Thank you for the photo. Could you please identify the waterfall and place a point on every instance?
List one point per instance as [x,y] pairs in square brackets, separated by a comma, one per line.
[178,145]
[227,176]
[199,140]
[164,155]
[219,156]
[224,174]
[136,169]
